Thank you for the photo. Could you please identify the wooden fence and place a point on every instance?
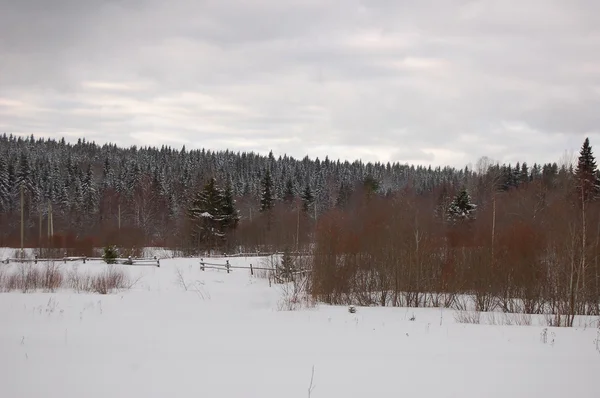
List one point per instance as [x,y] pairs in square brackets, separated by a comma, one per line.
[228,267]
[128,261]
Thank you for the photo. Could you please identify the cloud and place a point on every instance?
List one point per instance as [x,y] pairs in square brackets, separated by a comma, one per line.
[440,82]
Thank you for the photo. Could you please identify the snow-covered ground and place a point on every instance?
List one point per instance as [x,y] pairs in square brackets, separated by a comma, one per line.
[225,337]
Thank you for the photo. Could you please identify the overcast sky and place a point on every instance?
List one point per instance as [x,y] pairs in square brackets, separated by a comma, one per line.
[439,82]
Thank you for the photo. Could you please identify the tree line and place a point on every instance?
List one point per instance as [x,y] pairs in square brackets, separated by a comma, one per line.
[515,237]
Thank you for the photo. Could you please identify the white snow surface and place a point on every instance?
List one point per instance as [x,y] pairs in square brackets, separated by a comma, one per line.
[225,337]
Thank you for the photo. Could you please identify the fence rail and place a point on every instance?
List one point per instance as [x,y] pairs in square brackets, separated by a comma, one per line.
[256,254]
[128,261]
[228,267]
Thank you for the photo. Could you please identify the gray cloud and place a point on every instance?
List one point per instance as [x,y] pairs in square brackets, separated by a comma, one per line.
[440,82]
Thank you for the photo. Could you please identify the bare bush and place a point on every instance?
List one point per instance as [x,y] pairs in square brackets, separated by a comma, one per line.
[108,281]
[3,279]
[52,277]
[473,317]
[27,279]
[462,302]
[522,319]
[507,319]
[78,282]
[295,295]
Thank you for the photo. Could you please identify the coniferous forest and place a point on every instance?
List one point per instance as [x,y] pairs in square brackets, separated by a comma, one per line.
[520,237]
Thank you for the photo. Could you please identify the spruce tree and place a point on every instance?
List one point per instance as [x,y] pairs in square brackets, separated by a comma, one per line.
[205,216]
[308,199]
[4,187]
[287,268]
[461,208]
[344,194]
[229,215]
[524,174]
[586,173]
[267,200]
[289,194]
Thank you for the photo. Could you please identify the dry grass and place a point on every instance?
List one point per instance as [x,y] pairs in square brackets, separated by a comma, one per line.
[506,319]
[50,277]
[473,317]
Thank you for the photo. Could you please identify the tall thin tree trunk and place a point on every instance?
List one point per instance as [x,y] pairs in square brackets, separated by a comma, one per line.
[493,224]
[22,219]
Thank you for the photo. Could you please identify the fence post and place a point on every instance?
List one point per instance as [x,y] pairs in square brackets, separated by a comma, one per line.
[227,265]
[65,258]
[202,264]
[35,261]
[251,270]
[84,258]
[157,261]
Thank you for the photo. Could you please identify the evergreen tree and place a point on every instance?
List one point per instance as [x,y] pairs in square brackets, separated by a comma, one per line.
[4,187]
[206,217]
[443,204]
[229,215]
[267,200]
[287,267]
[370,185]
[25,175]
[524,174]
[289,193]
[586,173]
[344,195]
[89,191]
[308,199]
[461,208]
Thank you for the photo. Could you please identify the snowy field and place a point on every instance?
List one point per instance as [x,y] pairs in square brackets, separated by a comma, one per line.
[223,335]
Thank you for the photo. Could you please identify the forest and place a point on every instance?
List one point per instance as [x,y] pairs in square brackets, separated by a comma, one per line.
[520,238]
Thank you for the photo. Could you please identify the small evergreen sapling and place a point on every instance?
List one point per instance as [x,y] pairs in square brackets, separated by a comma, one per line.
[111,253]
[287,268]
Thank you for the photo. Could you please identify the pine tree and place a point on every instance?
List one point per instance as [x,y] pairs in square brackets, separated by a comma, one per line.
[267,200]
[461,208]
[586,173]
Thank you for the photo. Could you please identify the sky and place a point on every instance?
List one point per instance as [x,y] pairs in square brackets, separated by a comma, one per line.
[440,82]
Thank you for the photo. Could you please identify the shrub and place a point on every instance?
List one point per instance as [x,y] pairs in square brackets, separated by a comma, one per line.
[473,317]
[109,280]
[111,254]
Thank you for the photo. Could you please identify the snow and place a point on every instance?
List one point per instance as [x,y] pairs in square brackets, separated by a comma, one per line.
[224,337]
